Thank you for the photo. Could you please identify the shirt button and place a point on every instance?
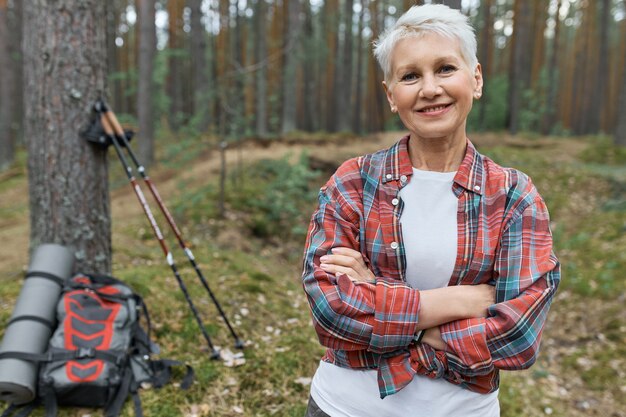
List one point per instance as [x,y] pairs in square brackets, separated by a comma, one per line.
[395,201]
[394,245]
[403,178]
[388,176]
[477,188]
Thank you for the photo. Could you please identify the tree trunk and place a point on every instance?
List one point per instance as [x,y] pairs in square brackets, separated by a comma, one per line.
[358,105]
[519,70]
[345,90]
[331,26]
[64,73]
[175,75]
[602,74]
[484,55]
[549,119]
[291,60]
[453,4]
[199,66]
[15,26]
[311,76]
[145,84]
[260,19]
[620,131]
[7,139]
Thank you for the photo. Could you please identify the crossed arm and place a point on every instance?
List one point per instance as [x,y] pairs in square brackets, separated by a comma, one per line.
[437,306]
[353,311]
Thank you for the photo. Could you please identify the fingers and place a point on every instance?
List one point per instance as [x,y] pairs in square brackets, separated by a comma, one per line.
[347,261]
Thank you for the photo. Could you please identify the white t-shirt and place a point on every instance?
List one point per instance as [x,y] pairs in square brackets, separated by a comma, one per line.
[429,231]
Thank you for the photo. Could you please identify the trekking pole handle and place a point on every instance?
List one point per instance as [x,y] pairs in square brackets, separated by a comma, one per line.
[113,122]
[106,126]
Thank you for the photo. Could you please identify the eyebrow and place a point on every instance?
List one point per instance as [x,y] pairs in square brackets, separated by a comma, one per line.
[438,61]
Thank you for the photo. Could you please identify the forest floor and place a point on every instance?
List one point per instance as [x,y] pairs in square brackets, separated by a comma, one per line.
[252,259]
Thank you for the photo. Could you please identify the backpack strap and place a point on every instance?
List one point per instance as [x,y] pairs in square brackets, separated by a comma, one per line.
[47,275]
[113,356]
[114,408]
[163,373]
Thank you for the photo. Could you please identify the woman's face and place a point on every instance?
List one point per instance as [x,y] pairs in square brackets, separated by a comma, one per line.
[431,86]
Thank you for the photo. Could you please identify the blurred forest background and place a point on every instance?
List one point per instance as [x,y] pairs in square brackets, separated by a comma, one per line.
[244,109]
[265,68]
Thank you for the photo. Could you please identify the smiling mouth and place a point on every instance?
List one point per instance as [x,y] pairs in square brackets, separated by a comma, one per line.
[434,109]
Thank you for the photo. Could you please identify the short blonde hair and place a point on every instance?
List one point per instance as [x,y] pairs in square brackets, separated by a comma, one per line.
[420,20]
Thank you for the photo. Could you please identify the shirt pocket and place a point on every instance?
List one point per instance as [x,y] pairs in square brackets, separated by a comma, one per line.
[480,269]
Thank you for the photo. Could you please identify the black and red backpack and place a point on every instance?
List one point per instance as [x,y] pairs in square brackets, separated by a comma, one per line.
[99,354]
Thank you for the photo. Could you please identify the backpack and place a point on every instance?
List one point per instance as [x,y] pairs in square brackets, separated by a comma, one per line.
[99,354]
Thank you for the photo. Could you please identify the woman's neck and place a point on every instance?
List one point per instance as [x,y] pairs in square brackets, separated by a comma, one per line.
[439,155]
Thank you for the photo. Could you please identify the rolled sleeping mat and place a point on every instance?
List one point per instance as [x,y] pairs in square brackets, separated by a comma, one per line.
[33,321]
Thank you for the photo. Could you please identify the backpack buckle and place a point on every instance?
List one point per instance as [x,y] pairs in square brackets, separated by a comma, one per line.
[84,353]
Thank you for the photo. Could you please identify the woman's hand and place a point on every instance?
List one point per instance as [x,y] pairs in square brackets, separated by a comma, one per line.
[347,261]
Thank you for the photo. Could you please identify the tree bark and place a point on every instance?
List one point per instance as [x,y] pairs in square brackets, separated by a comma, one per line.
[199,67]
[620,131]
[331,27]
[549,119]
[145,87]
[484,55]
[453,4]
[7,91]
[311,76]
[291,60]
[260,19]
[519,71]
[346,75]
[65,72]
[602,74]
[357,126]
[175,74]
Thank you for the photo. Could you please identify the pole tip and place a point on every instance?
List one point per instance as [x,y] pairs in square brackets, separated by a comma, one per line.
[215,354]
[239,344]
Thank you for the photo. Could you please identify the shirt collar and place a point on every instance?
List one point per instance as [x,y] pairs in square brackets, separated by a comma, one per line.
[469,175]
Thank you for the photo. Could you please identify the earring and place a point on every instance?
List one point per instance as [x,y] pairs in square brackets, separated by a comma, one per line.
[477,95]
[394,109]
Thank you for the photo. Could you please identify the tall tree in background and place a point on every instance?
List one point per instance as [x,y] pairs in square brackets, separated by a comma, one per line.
[345,75]
[7,139]
[199,67]
[145,84]
[64,73]
[358,84]
[331,26]
[175,62]
[549,119]
[520,62]
[602,75]
[291,60]
[261,58]
[453,4]
[620,130]
[485,54]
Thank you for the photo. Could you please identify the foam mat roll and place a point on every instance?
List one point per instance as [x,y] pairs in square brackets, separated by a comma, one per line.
[32,321]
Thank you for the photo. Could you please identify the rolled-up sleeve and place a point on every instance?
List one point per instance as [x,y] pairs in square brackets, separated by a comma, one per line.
[381,316]
[527,275]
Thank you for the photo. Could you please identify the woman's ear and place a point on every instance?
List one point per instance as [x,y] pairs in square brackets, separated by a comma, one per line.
[389,95]
[478,80]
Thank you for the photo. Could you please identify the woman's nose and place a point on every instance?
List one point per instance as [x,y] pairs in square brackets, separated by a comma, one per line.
[430,87]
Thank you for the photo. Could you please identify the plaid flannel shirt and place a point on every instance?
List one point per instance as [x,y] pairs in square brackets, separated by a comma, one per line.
[503,239]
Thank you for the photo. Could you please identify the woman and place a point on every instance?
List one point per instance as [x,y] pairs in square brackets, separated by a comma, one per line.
[428,268]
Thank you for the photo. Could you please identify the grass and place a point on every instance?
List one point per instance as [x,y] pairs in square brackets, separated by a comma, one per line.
[251,259]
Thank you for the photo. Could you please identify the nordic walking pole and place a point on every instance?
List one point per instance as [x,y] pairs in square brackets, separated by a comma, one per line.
[112,121]
[157,231]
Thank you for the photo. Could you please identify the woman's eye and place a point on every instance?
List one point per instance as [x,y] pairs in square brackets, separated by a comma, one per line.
[409,77]
[447,69]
